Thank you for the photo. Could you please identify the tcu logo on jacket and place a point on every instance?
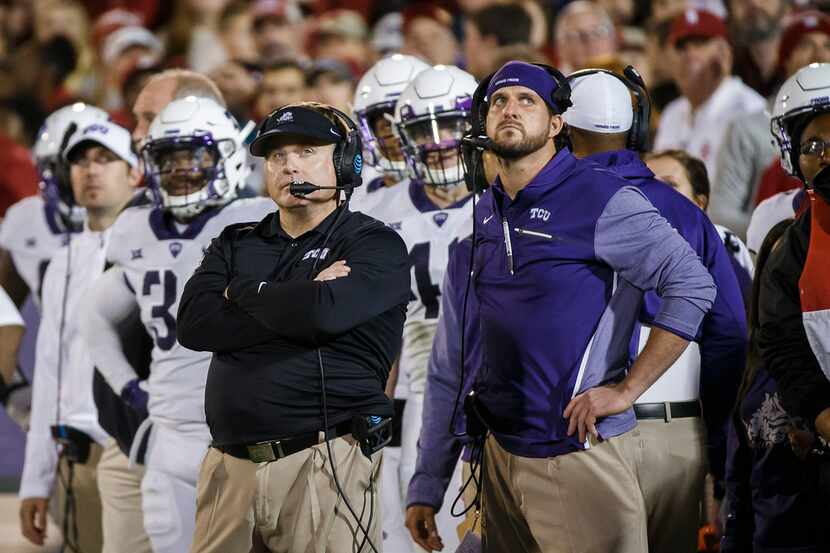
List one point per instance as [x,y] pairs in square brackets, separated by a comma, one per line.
[539,213]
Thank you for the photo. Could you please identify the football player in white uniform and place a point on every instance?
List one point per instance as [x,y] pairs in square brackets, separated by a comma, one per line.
[32,230]
[431,116]
[384,196]
[195,163]
[104,174]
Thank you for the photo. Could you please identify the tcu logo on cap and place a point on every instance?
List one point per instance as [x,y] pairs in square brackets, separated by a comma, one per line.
[96,128]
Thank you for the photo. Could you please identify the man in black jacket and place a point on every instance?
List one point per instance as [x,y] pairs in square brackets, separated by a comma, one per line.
[794,305]
[304,313]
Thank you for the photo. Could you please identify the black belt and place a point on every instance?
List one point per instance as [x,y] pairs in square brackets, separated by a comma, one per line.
[272,450]
[676,410]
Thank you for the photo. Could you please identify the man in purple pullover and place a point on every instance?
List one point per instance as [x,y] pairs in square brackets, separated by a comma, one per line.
[563,253]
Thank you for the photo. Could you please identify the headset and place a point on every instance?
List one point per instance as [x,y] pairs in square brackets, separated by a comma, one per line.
[633,81]
[347,156]
[475,142]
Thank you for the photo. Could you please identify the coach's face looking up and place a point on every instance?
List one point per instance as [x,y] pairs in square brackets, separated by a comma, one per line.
[522,127]
[296,159]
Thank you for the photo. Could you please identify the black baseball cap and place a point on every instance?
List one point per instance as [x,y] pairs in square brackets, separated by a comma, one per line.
[299,121]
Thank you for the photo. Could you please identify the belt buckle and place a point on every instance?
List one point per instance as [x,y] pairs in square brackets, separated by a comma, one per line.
[263,452]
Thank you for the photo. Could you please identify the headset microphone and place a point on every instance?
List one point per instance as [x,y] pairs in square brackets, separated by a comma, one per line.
[481,142]
[301,189]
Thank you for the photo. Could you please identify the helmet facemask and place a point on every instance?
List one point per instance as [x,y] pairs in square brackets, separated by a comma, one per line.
[431,144]
[186,174]
[380,141]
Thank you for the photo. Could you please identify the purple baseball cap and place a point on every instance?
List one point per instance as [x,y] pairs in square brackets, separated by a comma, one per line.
[534,77]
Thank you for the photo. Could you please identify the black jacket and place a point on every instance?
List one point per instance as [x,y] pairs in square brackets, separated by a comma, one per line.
[783,341]
[264,380]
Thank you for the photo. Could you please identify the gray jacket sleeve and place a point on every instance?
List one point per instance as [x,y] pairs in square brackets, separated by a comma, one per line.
[646,251]
[745,154]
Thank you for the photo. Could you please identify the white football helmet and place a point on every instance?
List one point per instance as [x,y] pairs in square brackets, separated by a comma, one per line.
[53,134]
[194,156]
[374,99]
[431,116]
[801,97]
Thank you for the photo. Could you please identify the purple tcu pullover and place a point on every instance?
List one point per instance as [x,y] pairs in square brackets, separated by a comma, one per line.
[555,317]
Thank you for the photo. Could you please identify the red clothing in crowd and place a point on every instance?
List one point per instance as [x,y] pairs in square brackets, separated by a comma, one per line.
[18,179]
[775,180]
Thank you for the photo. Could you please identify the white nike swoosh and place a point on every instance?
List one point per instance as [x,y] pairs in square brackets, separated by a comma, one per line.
[334,132]
[486,220]
[261,284]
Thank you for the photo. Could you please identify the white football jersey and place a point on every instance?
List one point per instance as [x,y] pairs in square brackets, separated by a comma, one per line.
[769,213]
[386,203]
[158,256]
[32,233]
[428,236]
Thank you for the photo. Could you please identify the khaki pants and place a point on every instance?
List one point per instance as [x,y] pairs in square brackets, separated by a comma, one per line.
[292,504]
[670,465]
[120,490]
[582,502]
[86,509]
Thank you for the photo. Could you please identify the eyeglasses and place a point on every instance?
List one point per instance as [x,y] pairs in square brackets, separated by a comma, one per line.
[815,147]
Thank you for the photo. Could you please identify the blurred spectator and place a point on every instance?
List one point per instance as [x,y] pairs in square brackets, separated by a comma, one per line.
[662,10]
[236,32]
[428,34]
[471,6]
[661,85]
[283,82]
[56,61]
[15,25]
[133,83]
[687,174]
[755,28]
[277,29]
[712,98]
[519,52]
[18,178]
[539,24]
[584,35]
[747,168]
[163,88]
[621,12]
[54,19]
[341,35]
[331,82]
[121,52]
[487,30]
[193,37]
[387,34]
[238,83]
